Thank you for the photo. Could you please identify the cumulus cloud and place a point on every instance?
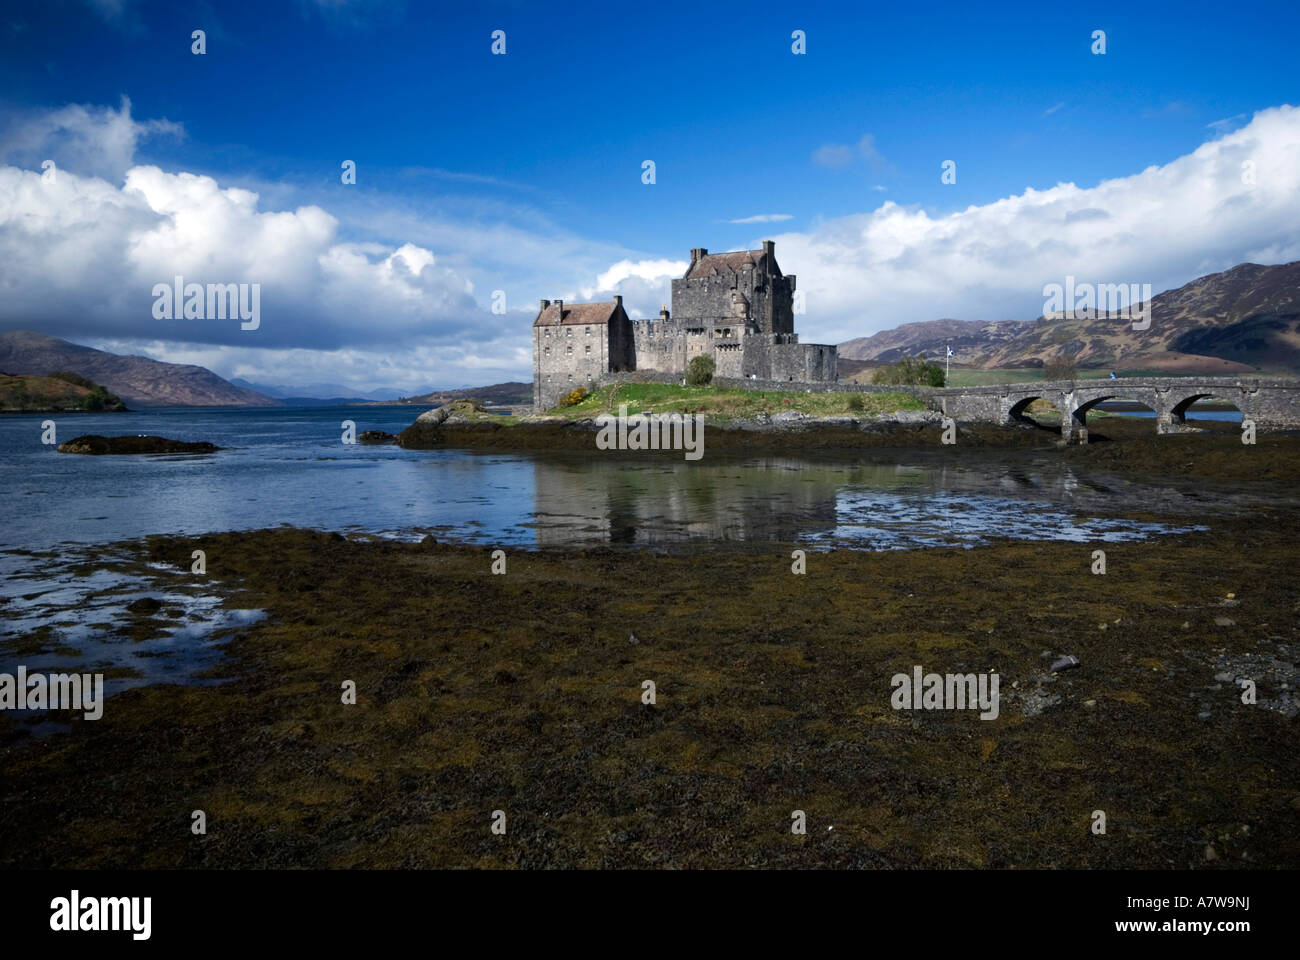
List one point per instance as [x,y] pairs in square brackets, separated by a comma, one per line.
[88,140]
[1233,199]
[82,256]
[644,285]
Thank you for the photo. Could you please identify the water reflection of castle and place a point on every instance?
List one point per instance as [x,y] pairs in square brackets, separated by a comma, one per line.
[659,501]
[641,502]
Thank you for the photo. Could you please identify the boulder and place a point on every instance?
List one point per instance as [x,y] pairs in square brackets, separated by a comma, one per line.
[376,436]
[788,418]
[432,418]
[916,416]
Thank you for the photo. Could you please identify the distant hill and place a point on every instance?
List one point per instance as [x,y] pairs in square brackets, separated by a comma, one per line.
[498,393]
[139,381]
[62,392]
[1241,320]
[317,392]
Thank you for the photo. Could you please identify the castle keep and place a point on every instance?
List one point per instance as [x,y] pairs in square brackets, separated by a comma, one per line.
[737,308]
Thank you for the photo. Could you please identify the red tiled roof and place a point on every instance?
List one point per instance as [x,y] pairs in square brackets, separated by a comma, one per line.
[577,313]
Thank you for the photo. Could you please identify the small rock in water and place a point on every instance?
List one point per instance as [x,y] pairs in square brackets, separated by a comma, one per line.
[1223,677]
[631,638]
[1210,853]
[144,605]
[1068,662]
[1090,704]
[1224,622]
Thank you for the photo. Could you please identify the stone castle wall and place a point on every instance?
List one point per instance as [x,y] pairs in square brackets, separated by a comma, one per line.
[709,300]
[567,356]
[742,318]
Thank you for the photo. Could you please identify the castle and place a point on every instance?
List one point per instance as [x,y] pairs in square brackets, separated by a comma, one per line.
[737,308]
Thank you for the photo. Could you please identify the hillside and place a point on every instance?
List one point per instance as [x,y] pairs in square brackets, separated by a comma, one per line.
[60,393]
[139,381]
[1241,320]
[498,393]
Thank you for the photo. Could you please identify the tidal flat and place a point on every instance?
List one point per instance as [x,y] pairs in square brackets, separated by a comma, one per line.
[478,692]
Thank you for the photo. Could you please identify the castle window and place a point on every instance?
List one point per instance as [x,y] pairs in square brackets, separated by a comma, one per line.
[546,350]
[569,332]
[588,329]
[568,350]
[589,348]
[548,331]
[571,378]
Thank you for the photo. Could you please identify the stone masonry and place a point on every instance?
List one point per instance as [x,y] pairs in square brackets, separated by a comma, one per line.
[737,308]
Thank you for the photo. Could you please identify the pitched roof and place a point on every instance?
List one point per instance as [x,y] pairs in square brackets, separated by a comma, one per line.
[735,262]
[577,313]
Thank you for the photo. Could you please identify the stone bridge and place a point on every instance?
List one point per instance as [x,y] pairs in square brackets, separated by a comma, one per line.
[1272,403]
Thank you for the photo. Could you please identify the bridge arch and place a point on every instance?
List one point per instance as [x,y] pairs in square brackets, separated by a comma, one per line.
[1182,408]
[1020,408]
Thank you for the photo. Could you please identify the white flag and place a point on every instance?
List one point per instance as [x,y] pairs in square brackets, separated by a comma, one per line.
[950,351]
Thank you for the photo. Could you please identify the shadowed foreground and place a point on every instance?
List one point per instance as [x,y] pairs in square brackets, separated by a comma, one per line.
[522,693]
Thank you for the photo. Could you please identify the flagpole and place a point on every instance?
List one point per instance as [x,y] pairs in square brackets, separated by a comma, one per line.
[947,364]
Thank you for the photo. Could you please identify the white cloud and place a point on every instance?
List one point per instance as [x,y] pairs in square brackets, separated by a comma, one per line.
[644,285]
[764,218]
[1052,109]
[88,140]
[79,252]
[643,269]
[1164,226]
[837,155]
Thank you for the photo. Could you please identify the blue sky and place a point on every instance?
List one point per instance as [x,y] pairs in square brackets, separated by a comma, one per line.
[522,172]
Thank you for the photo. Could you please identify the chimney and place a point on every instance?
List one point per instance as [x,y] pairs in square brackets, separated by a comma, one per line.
[663,311]
[698,253]
[559,311]
[545,304]
[618,300]
[769,247]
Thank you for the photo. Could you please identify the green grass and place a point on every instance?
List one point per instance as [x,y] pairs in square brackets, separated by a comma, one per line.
[721,404]
[982,378]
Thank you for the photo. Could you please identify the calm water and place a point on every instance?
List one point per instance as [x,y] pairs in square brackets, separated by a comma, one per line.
[289,467]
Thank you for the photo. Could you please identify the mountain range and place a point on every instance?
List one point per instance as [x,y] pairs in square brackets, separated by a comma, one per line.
[139,381]
[1242,320]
